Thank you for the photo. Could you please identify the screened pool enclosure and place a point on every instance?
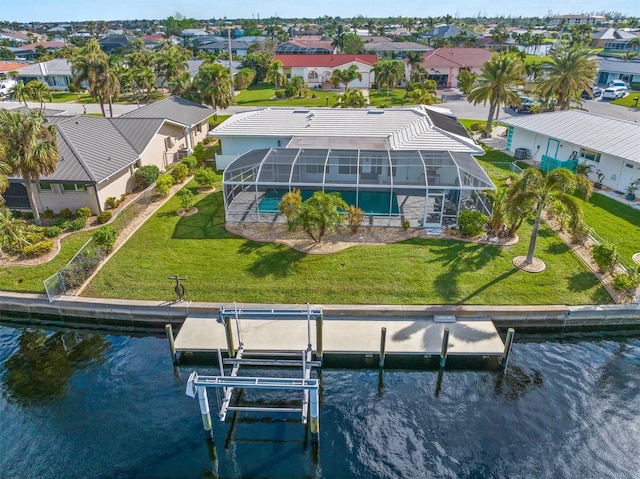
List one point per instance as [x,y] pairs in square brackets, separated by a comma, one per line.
[426,188]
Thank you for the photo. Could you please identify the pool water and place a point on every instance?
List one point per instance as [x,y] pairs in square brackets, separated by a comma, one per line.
[371,202]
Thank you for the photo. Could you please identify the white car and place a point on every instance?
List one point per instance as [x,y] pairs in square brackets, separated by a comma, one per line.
[619,83]
[614,92]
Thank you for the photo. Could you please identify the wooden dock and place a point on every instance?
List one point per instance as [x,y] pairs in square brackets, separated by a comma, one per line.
[468,337]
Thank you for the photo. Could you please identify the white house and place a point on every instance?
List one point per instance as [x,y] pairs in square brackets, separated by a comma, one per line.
[55,73]
[607,144]
[316,69]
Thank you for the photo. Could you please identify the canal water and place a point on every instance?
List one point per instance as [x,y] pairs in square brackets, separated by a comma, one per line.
[90,405]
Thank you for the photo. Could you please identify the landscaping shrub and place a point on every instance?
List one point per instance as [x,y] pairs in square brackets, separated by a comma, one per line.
[104,217]
[76,224]
[355,216]
[635,86]
[38,249]
[198,153]
[190,162]
[146,175]
[406,224]
[27,215]
[186,198]
[66,213]
[33,234]
[84,264]
[48,213]
[164,184]
[604,256]
[83,212]
[205,177]
[472,223]
[105,237]
[280,94]
[16,214]
[52,231]
[579,233]
[180,172]
[111,203]
[290,203]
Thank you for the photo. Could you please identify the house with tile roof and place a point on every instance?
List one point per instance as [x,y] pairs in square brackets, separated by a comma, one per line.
[444,64]
[99,156]
[388,48]
[316,70]
[29,51]
[606,144]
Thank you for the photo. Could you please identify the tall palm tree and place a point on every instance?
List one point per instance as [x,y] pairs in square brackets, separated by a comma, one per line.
[346,76]
[569,72]
[388,73]
[20,93]
[214,83]
[12,231]
[170,63]
[414,59]
[39,91]
[91,65]
[30,146]
[274,75]
[537,190]
[494,85]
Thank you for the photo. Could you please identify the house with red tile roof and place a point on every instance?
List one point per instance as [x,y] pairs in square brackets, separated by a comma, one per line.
[444,64]
[316,70]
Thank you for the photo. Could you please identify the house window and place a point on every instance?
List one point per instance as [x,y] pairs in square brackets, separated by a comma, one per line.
[313,76]
[348,169]
[589,155]
[314,169]
[45,187]
[199,128]
[69,187]
[168,143]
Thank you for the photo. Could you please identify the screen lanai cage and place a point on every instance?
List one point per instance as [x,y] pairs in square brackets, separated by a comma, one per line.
[426,188]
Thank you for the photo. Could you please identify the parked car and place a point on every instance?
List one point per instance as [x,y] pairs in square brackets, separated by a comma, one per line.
[619,83]
[614,92]
[6,86]
[525,103]
[593,92]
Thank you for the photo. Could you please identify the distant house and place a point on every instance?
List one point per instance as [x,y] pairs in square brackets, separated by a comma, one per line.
[388,48]
[606,144]
[495,45]
[218,45]
[446,32]
[188,34]
[114,43]
[306,46]
[571,20]
[29,51]
[98,156]
[612,39]
[444,64]
[55,73]
[317,69]
[7,66]
[15,39]
[610,69]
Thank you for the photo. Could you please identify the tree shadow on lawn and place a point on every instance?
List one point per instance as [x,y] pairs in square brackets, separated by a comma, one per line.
[585,281]
[208,223]
[270,259]
[458,258]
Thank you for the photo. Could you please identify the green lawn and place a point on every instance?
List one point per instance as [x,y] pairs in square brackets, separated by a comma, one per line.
[66,97]
[616,222]
[222,267]
[263,94]
[629,100]
[29,279]
[379,98]
[536,59]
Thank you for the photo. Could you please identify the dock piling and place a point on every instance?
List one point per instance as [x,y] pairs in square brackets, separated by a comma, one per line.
[445,347]
[383,342]
[508,343]
[204,410]
[319,337]
[228,329]
[314,423]
[172,344]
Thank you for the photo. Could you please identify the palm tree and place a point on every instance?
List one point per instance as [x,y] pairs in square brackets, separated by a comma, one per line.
[388,73]
[274,75]
[214,83]
[91,66]
[170,63]
[414,59]
[537,190]
[494,84]
[181,84]
[345,76]
[12,231]
[569,72]
[39,91]
[319,214]
[20,92]
[30,146]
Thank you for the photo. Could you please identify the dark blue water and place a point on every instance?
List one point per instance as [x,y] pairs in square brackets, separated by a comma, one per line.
[86,405]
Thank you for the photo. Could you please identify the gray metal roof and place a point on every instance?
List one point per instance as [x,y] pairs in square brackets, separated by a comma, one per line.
[389,46]
[138,131]
[611,136]
[619,66]
[174,109]
[57,66]
[411,128]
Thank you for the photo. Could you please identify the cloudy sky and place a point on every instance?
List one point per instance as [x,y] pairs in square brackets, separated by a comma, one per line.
[72,10]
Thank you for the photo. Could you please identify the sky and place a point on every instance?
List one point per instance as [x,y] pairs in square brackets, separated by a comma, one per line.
[79,10]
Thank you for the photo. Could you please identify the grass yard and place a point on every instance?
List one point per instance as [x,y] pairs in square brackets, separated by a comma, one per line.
[616,222]
[629,101]
[222,267]
[66,97]
[263,94]
[28,279]
[379,98]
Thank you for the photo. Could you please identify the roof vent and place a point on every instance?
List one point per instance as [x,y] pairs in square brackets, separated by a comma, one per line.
[301,111]
[375,112]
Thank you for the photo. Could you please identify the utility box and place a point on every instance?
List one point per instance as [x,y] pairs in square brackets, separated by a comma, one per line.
[521,154]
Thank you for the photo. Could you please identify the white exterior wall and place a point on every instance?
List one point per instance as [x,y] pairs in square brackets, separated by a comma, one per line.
[324,74]
[239,145]
[616,174]
[57,200]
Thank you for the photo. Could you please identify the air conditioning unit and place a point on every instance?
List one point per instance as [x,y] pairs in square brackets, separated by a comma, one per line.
[521,154]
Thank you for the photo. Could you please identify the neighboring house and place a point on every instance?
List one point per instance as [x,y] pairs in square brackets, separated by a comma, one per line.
[611,39]
[316,70]
[611,69]
[15,39]
[571,20]
[495,45]
[607,144]
[56,73]
[189,34]
[238,47]
[444,64]
[446,32]
[152,41]
[306,46]
[388,48]
[98,156]
[29,51]
[7,66]
[114,43]
[412,164]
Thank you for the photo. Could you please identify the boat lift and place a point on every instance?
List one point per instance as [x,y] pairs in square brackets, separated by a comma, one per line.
[197,385]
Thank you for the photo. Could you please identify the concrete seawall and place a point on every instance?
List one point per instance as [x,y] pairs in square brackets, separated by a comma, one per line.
[130,314]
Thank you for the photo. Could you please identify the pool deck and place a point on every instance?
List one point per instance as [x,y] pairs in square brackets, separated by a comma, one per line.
[475,337]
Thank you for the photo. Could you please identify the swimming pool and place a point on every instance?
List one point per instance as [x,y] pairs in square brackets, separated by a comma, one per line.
[371,202]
